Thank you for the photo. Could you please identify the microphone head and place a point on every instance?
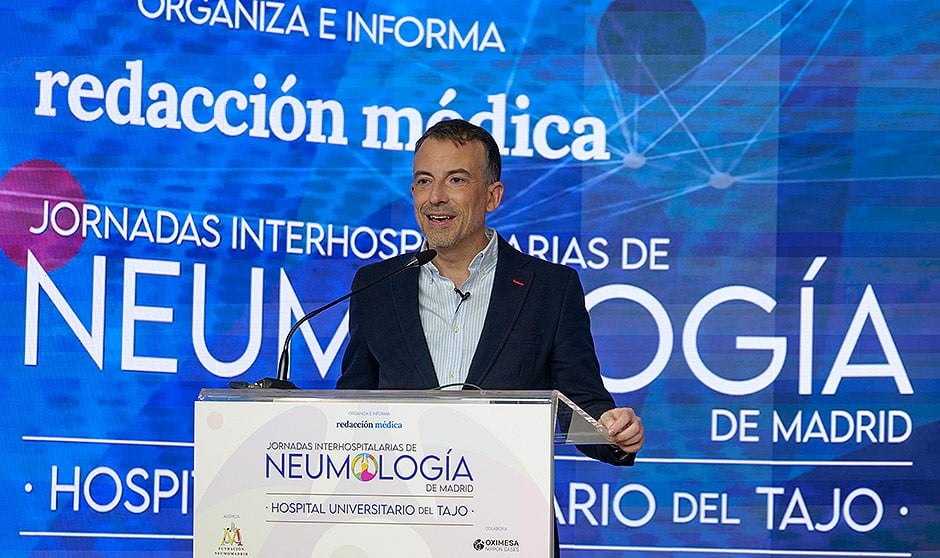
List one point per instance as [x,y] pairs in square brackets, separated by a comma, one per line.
[422,258]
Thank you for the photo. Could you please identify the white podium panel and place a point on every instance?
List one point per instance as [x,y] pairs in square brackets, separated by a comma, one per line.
[373,474]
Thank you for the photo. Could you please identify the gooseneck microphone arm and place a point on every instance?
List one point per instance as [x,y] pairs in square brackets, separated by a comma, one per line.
[283,366]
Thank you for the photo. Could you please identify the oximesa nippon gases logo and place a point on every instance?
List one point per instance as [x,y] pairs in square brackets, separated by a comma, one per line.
[496,545]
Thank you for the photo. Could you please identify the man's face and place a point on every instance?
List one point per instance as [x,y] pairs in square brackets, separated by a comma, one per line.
[451,196]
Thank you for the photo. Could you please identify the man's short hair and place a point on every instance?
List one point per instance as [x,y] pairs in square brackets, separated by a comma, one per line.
[462,132]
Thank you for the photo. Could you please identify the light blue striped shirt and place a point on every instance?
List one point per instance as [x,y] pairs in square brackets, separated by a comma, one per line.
[452,326]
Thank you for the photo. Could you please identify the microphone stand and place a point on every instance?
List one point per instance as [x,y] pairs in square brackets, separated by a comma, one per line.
[282,380]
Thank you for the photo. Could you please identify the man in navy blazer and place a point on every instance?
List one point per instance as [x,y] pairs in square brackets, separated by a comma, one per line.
[532,331]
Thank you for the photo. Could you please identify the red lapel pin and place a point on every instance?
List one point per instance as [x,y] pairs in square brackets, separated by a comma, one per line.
[518,282]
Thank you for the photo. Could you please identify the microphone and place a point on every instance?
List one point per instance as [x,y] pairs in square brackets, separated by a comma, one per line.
[283,365]
[463,297]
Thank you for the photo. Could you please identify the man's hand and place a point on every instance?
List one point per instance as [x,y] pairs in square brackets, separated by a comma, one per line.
[625,428]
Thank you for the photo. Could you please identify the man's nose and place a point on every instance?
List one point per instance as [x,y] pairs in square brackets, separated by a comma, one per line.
[438,193]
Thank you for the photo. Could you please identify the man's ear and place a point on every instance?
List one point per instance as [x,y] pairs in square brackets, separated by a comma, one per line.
[495,191]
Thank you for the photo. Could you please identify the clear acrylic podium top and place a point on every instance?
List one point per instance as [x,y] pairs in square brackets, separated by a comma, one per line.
[572,424]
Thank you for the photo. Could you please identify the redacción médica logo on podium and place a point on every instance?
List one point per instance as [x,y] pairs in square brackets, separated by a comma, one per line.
[368,424]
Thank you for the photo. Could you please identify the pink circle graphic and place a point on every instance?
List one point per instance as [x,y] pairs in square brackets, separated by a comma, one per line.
[40,212]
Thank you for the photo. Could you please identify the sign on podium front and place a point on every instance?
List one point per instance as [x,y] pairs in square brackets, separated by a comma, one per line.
[357,474]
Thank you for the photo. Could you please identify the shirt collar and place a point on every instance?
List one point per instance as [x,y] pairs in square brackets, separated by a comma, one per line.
[483,262]
[486,259]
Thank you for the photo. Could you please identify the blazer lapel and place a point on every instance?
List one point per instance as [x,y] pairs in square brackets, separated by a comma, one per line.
[510,288]
[405,298]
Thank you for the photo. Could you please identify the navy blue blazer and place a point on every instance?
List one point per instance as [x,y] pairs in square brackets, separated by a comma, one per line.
[536,336]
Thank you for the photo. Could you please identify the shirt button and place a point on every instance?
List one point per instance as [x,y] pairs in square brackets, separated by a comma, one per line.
[456,329]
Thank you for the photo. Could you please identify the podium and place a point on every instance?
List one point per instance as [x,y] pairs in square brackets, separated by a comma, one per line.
[358,474]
